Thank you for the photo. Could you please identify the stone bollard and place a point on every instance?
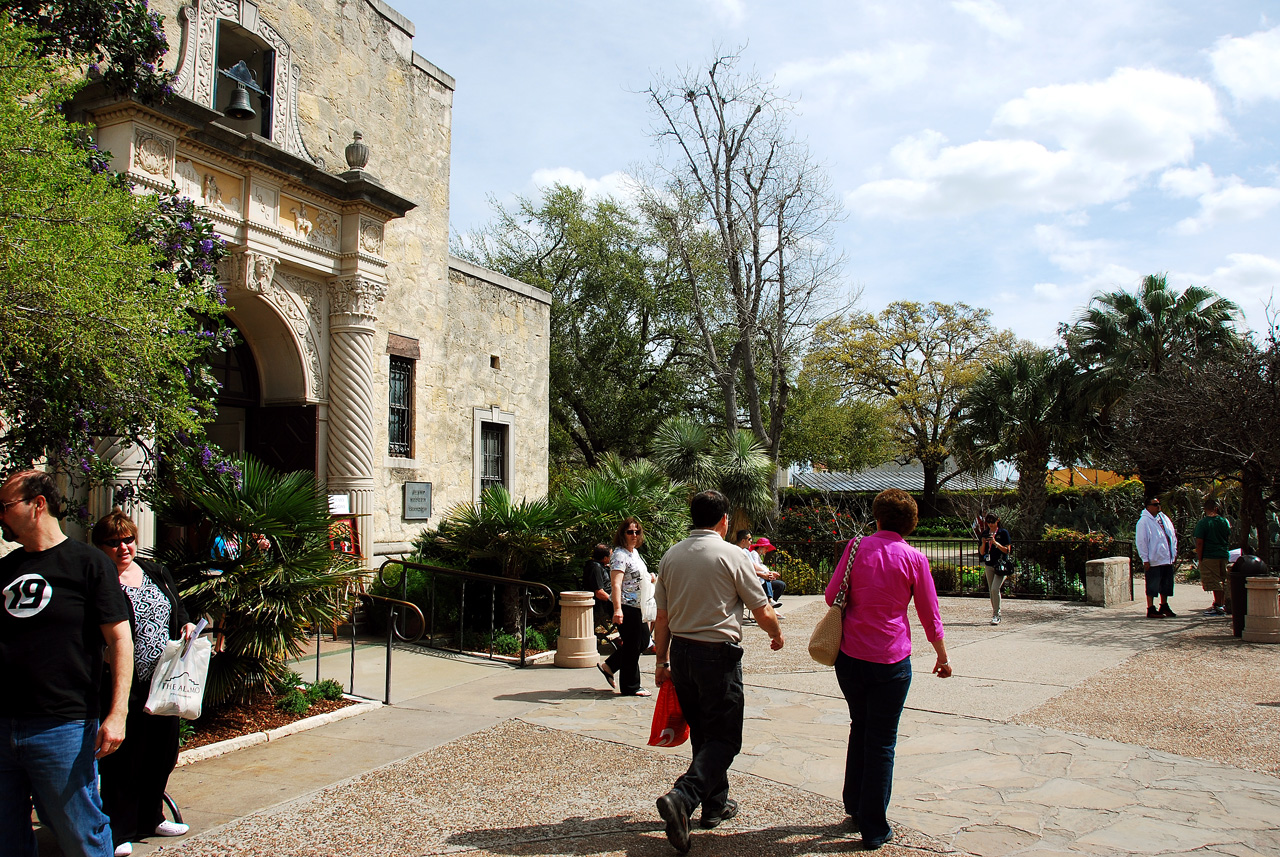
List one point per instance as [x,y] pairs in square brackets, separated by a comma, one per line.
[1106,581]
[576,645]
[1262,624]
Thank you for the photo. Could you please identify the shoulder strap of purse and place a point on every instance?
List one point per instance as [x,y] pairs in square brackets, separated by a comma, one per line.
[842,597]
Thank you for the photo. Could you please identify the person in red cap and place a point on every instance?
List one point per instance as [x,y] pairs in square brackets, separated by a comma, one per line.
[773,583]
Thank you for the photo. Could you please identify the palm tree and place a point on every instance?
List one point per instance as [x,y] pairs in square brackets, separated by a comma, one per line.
[258,563]
[1122,340]
[595,504]
[1019,410]
[1121,336]
[737,465]
[518,535]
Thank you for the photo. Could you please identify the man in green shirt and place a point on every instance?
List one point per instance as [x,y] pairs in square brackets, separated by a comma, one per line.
[1213,537]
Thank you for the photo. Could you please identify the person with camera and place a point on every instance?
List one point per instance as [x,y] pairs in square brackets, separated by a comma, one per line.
[996,543]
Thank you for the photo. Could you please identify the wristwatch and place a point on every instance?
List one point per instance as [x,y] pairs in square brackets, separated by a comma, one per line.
[667,664]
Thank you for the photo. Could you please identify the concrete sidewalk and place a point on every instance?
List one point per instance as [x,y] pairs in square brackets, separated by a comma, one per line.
[966,777]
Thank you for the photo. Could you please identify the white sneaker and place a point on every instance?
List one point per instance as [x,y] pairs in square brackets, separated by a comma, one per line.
[995,620]
[171,828]
[124,849]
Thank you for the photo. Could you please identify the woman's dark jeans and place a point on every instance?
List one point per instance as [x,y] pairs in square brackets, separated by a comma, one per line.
[876,694]
[625,662]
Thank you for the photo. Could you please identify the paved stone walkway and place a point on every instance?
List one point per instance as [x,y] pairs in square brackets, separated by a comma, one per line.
[966,778]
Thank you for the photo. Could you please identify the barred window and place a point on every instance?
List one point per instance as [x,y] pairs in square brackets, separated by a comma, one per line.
[400,417]
[493,455]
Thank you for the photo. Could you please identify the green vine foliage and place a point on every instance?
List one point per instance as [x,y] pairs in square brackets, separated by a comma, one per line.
[107,297]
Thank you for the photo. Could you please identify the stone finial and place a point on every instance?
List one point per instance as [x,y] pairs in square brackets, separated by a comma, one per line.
[357,152]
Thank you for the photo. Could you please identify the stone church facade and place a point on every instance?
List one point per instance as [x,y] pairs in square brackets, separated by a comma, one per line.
[370,354]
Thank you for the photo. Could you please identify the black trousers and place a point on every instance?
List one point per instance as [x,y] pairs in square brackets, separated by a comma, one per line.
[134,776]
[708,680]
[625,662]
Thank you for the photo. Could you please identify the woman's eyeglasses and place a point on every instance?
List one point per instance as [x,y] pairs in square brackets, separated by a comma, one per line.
[631,532]
[115,543]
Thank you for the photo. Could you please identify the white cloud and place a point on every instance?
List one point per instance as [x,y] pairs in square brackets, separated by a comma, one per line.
[1187,183]
[1106,137]
[1249,279]
[617,185]
[990,15]
[732,12]
[885,68]
[1068,252]
[1249,67]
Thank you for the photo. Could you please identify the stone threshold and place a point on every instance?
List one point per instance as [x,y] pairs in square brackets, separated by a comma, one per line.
[221,748]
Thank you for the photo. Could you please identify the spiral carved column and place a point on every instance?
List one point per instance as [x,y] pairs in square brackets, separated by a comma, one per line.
[353,303]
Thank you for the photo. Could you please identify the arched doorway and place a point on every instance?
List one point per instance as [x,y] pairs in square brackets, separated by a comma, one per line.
[281,436]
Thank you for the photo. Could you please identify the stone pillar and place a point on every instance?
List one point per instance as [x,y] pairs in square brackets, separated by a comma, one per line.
[576,646]
[353,303]
[1106,581]
[1262,623]
[129,459]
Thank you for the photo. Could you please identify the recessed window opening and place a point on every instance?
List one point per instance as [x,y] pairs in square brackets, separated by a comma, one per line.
[495,362]
[400,413]
[493,455]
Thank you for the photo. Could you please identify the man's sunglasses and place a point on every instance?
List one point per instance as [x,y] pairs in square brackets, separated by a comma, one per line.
[115,543]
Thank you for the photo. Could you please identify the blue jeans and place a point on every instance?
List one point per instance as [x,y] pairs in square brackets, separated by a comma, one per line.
[51,761]
[708,680]
[876,694]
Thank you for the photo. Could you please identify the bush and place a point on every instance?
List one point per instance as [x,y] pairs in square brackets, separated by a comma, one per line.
[800,577]
[944,528]
[285,682]
[506,644]
[186,729]
[327,689]
[293,702]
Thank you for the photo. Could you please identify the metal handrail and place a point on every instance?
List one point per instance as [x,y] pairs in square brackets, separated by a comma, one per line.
[525,588]
[393,632]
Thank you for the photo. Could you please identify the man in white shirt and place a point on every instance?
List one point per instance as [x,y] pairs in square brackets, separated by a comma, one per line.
[1158,547]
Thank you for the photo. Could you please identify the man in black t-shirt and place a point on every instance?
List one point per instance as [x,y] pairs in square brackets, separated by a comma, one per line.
[62,603]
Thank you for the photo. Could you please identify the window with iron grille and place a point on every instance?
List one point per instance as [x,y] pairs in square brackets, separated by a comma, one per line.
[400,417]
[493,455]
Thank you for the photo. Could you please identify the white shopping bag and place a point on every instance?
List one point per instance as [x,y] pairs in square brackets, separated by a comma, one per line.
[177,686]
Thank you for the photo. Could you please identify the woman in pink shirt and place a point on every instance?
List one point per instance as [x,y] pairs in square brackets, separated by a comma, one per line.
[874,664]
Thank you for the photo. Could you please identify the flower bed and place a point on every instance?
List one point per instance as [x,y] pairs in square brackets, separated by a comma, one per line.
[258,715]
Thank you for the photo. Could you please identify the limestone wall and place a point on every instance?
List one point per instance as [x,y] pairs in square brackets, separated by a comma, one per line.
[358,71]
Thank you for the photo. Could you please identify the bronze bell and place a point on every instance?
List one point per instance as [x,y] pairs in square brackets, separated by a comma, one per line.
[240,108]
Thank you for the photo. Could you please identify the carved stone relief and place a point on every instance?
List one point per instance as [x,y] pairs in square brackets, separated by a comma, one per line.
[356,296]
[298,300]
[152,153]
[188,179]
[371,236]
[264,205]
[325,231]
[197,73]
[301,222]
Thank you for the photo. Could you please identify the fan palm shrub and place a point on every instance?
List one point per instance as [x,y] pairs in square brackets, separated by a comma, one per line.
[257,562]
[736,464]
[594,504]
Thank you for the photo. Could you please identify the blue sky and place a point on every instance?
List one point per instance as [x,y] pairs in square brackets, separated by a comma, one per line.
[1019,156]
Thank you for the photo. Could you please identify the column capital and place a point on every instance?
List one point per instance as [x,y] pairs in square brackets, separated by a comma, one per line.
[356,296]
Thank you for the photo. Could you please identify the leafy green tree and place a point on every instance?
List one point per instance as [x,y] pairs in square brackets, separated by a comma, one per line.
[1020,409]
[598,500]
[257,561]
[105,295]
[619,359]
[918,361]
[824,426]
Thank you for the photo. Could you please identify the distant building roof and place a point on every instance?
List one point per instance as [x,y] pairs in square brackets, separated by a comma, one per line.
[908,477]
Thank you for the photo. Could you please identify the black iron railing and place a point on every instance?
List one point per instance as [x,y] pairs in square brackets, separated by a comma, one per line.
[449,610]
[397,611]
[1042,569]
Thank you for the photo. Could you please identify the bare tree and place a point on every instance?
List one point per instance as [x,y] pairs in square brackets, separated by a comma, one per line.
[749,216]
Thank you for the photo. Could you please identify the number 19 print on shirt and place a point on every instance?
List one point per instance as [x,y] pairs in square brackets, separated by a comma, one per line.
[27,595]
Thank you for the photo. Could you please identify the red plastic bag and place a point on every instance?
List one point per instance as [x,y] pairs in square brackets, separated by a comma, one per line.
[669,728]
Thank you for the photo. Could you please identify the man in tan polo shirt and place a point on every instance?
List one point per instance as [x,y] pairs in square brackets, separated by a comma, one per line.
[703,584]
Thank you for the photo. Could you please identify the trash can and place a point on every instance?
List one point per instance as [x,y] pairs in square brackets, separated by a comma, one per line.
[1246,566]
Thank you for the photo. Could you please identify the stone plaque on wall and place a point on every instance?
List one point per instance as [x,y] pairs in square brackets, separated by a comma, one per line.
[417,501]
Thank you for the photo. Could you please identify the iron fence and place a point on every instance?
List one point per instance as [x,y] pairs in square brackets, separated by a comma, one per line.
[1042,569]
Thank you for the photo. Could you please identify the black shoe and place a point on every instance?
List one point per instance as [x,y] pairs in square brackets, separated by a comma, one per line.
[875,844]
[1166,611]
[729,811]
[608,676]
[1153,613]
[672,812]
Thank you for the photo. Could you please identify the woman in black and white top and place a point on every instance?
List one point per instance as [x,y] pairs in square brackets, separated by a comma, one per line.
[135,776]
[633,607]
[996,544]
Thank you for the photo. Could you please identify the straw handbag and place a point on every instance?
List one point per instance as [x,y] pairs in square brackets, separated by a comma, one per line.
[824,644]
